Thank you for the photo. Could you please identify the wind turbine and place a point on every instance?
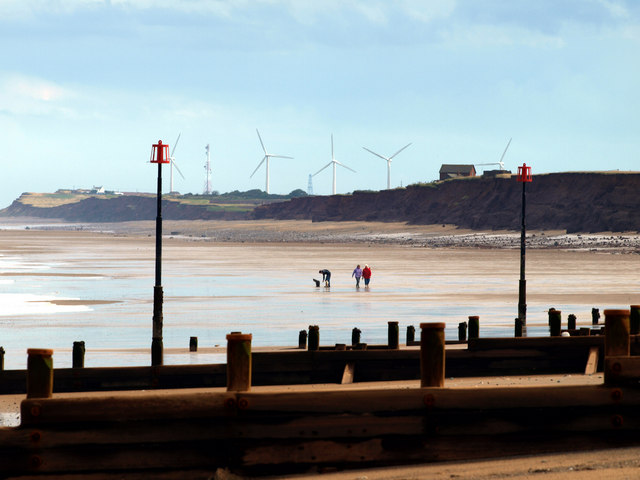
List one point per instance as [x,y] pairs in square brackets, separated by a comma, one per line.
[266,157]
[173,161]
[500,162]
[388,159]
[333,162]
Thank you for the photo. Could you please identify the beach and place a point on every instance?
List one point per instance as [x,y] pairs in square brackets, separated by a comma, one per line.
[94,283]
[64,283]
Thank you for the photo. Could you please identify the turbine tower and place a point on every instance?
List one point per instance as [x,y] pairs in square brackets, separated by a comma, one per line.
[207,168]
[266,158]
[388,159]
[333,163]
[173,164]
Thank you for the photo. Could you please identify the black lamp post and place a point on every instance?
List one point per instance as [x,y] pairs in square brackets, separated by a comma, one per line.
[524,176]
[159,155]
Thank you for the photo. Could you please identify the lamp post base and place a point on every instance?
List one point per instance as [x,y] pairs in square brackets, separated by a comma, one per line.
[156,352]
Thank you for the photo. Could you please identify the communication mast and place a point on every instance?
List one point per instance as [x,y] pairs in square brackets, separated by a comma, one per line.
[310,185]
[207,168]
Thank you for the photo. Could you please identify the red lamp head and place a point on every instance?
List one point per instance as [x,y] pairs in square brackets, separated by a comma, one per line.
[160,153]
[524,174]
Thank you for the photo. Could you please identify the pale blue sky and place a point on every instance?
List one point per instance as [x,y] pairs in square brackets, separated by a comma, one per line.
[86,86]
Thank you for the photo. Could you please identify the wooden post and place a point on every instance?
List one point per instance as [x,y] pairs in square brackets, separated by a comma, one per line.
[474,327]
[518,327]
[393,335]
[39,373]
[2,352]
[634,319]
[462,331]
[78,355]
[411,334]
[193,344]
[555,322]
[314,337]
[616,333]
[355,336]
[432,354]
[595,316]
[617,342]
[239,361]
[571,322]
[302,339]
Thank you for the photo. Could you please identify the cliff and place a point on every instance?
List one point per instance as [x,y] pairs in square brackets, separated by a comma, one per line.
[575,202]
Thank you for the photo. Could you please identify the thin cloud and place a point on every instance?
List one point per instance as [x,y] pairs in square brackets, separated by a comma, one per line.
[23,95]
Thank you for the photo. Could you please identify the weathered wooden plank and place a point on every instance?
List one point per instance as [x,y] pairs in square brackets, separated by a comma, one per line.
[299,429]
[347,374]
[533,342]
[592,361]
[622,370]
[124,408]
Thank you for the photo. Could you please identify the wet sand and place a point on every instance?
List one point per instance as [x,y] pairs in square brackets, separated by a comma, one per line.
[265,287]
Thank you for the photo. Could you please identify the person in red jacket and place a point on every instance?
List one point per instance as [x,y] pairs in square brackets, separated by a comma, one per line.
[366,274]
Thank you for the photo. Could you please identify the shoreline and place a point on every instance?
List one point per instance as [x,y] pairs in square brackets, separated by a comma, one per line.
[372,233]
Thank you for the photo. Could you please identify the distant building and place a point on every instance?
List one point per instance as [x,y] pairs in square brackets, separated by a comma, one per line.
[452,171]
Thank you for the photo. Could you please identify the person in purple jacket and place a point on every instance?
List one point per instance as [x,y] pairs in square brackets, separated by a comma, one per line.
[357,272]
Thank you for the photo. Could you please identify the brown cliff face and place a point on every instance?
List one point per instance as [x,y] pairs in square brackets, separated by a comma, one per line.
[576,202]
[120,209]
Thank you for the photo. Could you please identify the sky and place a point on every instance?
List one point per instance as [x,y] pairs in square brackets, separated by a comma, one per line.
[87,86]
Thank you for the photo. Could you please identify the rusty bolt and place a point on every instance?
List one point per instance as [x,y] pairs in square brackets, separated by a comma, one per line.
[35,436]
[35,461]
[35,411]
[616,368]
[616,394]
[429,400]
[617,420]
[230,403]
[243,404]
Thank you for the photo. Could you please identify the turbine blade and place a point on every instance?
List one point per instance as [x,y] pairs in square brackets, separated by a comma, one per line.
[505,150]
[259,165]
[265,150]
[279,156]
[174,164]
[343,165]
[376,154]
[332,146]
[399,151]
[327,165]
[175,144]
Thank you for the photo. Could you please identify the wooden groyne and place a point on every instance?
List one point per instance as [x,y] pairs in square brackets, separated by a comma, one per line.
[482,357]
[277,430]
[283,432]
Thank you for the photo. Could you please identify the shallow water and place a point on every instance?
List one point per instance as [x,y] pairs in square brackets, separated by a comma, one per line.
[212,289]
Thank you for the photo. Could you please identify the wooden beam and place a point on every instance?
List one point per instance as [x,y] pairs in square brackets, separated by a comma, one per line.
[280,431]
[592,361]
[347,374]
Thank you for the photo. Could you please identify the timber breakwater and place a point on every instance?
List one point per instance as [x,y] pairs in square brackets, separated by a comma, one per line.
[281,430]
